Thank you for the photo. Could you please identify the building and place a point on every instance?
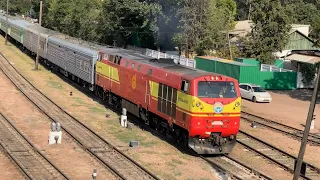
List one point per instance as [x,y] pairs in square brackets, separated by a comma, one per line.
[298,39]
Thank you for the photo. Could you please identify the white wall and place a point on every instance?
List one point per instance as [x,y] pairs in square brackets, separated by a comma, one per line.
[304,29]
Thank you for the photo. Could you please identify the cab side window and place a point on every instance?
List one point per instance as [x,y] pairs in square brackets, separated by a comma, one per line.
[185,86]
[105,56]
[100,57]
[111,58]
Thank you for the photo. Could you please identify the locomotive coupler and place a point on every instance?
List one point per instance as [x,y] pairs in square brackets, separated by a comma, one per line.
[217,140]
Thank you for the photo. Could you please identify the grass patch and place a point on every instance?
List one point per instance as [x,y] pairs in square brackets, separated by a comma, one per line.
[167,153]
[148,143]
[76,105]
[171,164]
[55,85]
[79,100]
[96,109]
[184,156]
[127,135]
[177,161]
[148,152]
[177,173]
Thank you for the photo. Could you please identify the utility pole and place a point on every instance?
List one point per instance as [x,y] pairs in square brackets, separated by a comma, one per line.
[230,50]
[38,47]
[249,14]
[307,128]
[7,26]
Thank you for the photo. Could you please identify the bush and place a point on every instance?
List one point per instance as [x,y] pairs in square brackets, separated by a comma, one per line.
[308,73]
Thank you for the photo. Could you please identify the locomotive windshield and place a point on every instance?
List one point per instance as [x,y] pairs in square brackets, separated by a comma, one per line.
[214,89]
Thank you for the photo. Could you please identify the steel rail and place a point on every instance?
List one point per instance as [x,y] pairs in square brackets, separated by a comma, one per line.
[257,174]
[282,128]
[114,170]
[35,149]
[277,150]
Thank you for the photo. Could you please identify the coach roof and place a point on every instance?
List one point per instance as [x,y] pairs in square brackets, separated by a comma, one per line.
[76,44]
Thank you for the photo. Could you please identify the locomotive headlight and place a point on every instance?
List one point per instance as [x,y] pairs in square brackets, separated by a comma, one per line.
[237,104]
[198,104]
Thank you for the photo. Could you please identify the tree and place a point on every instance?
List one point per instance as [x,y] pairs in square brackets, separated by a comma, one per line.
[306,12]
[269,33]
[129,17]
[205,24]
[243,8]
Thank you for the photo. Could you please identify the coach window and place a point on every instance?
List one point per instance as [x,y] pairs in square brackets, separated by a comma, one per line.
[150,72]
[132,65]
[127,63]
[185,86]
[139,67]
[42,45]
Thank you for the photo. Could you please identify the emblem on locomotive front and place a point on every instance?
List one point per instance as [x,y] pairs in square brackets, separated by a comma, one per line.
[134,82]
[218,107]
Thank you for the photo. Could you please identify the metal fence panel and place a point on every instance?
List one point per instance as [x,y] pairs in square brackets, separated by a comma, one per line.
[156,54]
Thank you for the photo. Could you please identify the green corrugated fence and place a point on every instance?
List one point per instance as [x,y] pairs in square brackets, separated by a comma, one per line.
[254,61]
[248,73]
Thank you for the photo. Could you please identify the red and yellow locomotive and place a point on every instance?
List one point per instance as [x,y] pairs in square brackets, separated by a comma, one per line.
[197,108]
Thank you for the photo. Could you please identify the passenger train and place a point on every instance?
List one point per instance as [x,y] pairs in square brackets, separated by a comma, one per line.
[197,108]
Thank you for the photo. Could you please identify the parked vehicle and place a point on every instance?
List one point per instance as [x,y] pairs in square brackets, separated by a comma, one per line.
[254,93]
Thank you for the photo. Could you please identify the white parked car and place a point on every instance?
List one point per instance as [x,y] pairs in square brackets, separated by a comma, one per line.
[254,92]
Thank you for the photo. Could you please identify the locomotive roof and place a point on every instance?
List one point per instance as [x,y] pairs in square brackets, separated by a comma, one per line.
[165,64]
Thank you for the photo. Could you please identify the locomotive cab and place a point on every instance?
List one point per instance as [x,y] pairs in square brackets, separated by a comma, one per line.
[216,111]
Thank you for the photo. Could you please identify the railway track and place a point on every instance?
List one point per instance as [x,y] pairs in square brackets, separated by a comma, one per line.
[282,128]
[234,169]
[117,162]
[32,163]
[275,155]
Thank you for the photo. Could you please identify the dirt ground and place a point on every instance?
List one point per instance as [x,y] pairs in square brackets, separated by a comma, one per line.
[74,162]
[264,166]
[288,107]
[158,156]
[8,169]
[289,145]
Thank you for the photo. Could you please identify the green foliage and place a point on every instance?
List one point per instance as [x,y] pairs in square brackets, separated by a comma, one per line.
[129,17]
[308,73]
[204,25]
[191,25]
[242,10]
[178,40]
[305,12]
[269,33]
